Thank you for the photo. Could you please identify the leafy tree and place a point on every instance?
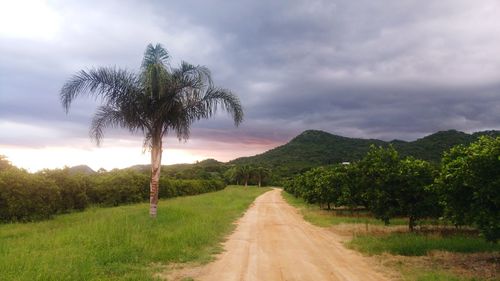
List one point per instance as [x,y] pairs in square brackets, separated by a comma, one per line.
[416,196]
[308,186]
[380,182]
[157,100]
[470,185]
[351,188]
[329,186]
[392,187]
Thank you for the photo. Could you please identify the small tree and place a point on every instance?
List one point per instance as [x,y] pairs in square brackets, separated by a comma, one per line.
[352,193]
[417,197]
[470,185]
[380,182]
[329,183]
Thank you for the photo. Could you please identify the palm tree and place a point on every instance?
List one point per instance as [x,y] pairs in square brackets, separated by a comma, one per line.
[231,175]
[261,173]
[156,101]
[245,173]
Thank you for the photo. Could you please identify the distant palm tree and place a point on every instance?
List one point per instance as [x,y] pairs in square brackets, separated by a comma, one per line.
[245,173]
[156,101]
[261,173]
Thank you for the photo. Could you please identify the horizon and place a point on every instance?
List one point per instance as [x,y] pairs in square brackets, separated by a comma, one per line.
[356,69]
[129,164]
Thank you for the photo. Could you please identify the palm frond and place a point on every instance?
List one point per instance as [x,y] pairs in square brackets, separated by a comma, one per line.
[157,101]
[155,55]
[106,116]
[105,82]
[190,77]
[214,98]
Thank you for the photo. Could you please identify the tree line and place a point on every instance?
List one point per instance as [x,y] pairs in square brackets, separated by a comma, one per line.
[28,197]
[247,174]
[464,188]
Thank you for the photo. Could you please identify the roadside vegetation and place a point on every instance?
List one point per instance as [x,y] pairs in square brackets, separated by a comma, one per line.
[29,197]
[451,208]
[121,243]
[463,191]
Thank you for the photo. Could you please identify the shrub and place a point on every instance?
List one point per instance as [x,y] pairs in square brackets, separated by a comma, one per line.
[72,189]
[26,197]
[119,187]
[470,185]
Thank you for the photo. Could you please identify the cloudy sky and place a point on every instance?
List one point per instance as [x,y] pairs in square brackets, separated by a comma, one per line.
[376,69]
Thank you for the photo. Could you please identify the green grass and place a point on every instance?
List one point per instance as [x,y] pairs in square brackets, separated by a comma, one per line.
[323,218]
[413,244]
[121,243]
[430,274]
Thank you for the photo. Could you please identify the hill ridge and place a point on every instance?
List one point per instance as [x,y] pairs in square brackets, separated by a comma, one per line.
[316,147]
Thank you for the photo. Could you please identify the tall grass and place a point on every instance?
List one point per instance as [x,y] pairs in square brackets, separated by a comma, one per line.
[121,243]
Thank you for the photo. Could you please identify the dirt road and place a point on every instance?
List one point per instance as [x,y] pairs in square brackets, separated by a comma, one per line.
[273,242]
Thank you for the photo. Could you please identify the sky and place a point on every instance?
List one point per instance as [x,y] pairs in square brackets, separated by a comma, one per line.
[387,69]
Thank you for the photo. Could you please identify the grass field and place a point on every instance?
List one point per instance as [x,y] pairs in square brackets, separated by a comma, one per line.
[121,243]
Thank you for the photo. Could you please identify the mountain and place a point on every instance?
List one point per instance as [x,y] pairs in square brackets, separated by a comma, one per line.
[81,169]
[206,169]
[314,148]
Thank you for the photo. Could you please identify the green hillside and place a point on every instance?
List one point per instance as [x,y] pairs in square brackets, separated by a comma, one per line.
[314,148]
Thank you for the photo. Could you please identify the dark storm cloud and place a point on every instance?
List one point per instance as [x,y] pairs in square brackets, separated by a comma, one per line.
[381,69]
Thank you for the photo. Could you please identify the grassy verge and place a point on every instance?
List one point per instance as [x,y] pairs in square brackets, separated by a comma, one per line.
[416,265]
[412,244]
[323,218]
[121,243]
[427,274]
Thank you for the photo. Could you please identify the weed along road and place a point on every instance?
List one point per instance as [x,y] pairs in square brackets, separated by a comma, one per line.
[273,242]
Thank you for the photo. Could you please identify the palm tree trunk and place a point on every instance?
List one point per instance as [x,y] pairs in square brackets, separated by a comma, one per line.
[411,223]
[155,176]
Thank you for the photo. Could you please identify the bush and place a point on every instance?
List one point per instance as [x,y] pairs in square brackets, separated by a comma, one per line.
[119,187]
[470,185]
[72,189]
[27,197]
